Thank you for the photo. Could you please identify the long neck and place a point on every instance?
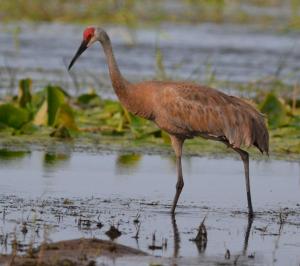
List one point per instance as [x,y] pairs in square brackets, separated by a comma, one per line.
[119,84]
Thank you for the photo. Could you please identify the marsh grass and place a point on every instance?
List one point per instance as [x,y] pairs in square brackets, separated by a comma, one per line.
[133,12]
[12,74]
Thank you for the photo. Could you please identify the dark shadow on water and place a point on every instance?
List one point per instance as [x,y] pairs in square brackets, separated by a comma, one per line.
[126,163]
[12,155]
[53,161]
[7,156]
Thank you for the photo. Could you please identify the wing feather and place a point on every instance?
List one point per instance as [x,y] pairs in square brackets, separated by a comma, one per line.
[190,110]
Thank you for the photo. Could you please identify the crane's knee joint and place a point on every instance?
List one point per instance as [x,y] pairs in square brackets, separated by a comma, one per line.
[244,155]
[179,184]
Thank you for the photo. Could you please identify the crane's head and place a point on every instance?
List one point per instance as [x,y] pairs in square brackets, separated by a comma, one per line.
[90,35]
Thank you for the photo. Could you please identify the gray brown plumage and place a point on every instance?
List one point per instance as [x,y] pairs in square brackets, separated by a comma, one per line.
[186,110]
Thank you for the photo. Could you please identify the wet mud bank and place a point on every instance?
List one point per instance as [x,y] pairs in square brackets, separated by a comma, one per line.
[71,252]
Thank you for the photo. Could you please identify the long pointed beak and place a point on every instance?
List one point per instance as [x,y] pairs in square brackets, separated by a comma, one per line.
[81,49]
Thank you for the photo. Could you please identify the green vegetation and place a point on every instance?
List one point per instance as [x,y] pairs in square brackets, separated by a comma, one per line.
[90,120]
[12,116]
[134,12]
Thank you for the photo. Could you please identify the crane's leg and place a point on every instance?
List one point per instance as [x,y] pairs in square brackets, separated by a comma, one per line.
[245,157]
[177,146]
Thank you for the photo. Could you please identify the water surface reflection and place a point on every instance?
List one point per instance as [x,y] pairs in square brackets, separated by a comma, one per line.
[209,181]
[58,188]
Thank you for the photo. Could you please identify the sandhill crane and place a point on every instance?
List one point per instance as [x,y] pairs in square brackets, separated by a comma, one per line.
[185,110]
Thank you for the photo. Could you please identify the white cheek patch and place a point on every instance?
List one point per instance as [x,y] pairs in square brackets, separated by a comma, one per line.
[92,40]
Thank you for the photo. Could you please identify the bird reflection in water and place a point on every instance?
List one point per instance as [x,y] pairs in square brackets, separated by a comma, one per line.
[247,234]
[176,236]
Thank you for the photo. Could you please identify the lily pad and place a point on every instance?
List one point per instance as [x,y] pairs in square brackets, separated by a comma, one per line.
[61,133]
[65,117]
[41,117]
[89,100]
[275,110]
[29,128]
[55,98]
[24,97]
[12,116]
[55,111]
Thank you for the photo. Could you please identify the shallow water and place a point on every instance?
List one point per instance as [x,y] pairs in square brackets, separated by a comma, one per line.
[229,52]
[51,192]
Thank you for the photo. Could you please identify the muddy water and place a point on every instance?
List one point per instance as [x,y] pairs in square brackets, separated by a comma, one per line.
[66,195]
[232,53]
